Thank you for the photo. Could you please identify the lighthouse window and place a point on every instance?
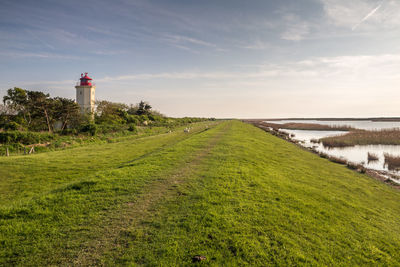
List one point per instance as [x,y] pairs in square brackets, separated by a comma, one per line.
[80,92]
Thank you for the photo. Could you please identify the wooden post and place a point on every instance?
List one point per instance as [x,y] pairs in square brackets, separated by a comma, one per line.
[7,152]
[32,150]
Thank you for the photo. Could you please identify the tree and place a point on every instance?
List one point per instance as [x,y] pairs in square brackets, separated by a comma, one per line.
[17,100]
[143,108]
[7,110]
[42,108]
[66,111]
[109,112]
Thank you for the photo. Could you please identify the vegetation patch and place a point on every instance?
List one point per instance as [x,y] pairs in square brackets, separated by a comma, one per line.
[372,157]
[392,162]
[381,137]
[308,126]
[25,138]
[34,118]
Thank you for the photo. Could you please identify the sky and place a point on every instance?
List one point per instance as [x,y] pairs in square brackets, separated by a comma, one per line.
[210,58]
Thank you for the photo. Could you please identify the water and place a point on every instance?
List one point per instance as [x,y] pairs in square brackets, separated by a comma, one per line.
[365,124]
[355,154]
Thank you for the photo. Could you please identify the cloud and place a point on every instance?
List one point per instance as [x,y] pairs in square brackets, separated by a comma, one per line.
[359,72]
[184,39]
[370,14]
[329,86]
[362,70]
[109,52]
[187,43]
[257,45]
[296,29]
[41,40]
[17,54]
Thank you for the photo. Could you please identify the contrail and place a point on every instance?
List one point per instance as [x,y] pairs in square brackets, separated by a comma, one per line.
[367,16]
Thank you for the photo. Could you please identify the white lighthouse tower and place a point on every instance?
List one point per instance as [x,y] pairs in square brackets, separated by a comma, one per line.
[85,90]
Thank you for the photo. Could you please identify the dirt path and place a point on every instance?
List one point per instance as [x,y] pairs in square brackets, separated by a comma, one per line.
[133,213]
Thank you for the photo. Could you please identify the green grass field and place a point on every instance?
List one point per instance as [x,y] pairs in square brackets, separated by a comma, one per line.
[232,193]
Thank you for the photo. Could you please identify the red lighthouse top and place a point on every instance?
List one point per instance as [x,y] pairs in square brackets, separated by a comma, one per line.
[86,80]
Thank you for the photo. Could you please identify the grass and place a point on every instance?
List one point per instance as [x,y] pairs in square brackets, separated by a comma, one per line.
[308,126]
[51,142]
[380,137]
[26,176]
[232,193]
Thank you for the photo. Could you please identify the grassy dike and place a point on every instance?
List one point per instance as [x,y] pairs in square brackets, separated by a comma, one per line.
[233,193]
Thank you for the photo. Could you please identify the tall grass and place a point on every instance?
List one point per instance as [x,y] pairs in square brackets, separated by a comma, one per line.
[392,162]
[372,157]
[375,137]
[309,126]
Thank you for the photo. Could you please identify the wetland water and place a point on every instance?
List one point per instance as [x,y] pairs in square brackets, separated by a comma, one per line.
[356,154]
[362,124]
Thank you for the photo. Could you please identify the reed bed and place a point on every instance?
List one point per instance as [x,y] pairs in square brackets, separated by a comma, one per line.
[340,160]
[392,162]
[372,157]
[376,137]
[309,126]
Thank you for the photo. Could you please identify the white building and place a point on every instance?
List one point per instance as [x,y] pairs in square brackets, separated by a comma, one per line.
[85,91]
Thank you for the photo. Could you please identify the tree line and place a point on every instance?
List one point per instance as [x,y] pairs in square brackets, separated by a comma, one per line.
[26,110]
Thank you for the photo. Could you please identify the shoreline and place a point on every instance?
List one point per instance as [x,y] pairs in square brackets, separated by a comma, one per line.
[383,119]
[382,176]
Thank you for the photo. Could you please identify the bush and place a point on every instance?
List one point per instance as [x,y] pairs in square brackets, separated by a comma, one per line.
[133,119]
[26,138]
[143,118]
[12,125]
[109,128]
[69,131]
[89,128]
[132,128]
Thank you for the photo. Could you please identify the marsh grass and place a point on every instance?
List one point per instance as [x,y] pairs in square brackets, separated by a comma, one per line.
[372,157]
[376,137]
[309,126]
[392,162]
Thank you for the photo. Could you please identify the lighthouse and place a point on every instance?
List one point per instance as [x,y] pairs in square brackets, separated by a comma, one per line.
[85,90]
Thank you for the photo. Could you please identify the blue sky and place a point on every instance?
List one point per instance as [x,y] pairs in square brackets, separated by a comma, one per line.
[219,58]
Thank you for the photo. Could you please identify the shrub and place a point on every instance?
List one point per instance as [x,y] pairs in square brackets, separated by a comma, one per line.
[69,131]
[109,128]
[89,128]
[143,118]
[11,126]
[132,128]
[132,119]
[24,137]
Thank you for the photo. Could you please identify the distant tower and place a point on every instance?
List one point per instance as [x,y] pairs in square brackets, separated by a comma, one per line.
[85,94]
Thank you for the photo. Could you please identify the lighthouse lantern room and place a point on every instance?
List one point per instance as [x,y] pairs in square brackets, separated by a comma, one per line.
[85,90]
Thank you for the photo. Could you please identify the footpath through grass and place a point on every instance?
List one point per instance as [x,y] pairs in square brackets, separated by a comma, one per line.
[233,193]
